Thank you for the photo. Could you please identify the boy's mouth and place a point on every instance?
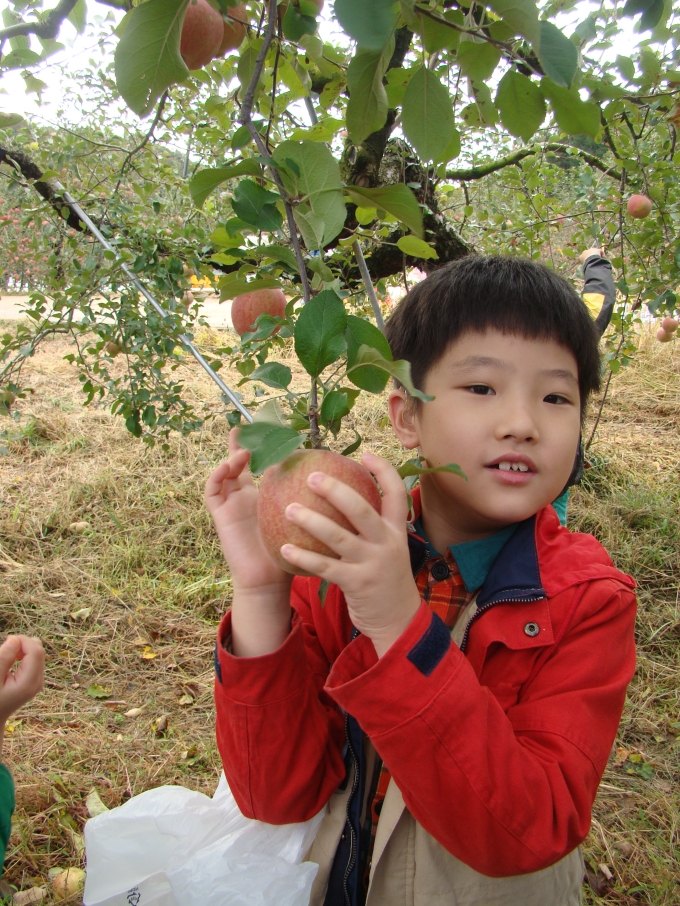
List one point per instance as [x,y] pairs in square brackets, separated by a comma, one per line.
[513,462]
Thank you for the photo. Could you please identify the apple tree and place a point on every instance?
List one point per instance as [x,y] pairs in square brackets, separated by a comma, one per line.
[328,153]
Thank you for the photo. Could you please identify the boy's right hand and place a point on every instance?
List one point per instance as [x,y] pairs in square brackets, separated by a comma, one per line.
[24,684]
[231,498]
[590,253]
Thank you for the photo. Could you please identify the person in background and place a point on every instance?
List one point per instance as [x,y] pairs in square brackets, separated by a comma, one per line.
[599,294]
[16,688]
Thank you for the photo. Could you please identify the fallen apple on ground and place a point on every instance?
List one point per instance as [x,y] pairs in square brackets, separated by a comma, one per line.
[286,483]
[247,308]
[639,206]
[202,33]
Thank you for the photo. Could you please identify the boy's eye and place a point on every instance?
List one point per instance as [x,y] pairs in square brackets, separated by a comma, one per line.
[556,399]
[480,389]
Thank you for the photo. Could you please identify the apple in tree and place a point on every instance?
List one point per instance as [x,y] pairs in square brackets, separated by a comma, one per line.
[670,325]
[663,336]
[639,206]
[234,29]
[286,483]
[202,33]
[247,308]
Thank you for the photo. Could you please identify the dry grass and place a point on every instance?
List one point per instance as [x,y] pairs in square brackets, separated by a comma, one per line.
[132,603]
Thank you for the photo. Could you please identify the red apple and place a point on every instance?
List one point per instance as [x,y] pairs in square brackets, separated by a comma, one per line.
[234,29]
[670,325]
[662,336]
[247,308]
[639,206]
[202,32]
[286,483]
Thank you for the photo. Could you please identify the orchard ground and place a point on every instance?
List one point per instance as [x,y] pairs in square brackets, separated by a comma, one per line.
[128,604]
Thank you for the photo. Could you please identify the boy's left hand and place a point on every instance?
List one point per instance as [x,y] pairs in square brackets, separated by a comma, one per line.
[374,569]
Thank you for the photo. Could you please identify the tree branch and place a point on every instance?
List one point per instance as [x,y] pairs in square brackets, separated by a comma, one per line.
[517,156]
[48,27]
[21,163]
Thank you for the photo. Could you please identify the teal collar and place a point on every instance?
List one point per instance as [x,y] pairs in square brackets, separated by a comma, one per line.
[474,559]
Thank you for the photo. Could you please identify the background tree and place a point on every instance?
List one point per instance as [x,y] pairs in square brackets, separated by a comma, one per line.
[423,132]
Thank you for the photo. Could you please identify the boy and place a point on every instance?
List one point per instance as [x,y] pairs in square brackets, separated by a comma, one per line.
[15,690]
[455,699]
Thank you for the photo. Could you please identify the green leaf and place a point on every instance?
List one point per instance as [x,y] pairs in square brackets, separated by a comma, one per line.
[362,333]
[147,58]
[335,405]
[268,444]
[324,585]
[573,115]
[437,36]
[367,105]
[401,370]
[626,67]
[319,330]
[413,468]
[521,104]
[323,131]
[397,79]
[427,114]
[586,31]
[265,326]
[451,151]
[94,690]
[558,56]
[273,374]
[478,59]
[520,15]
[231,287]
[417,248]
[256,205]
[206,181]
[295,25]
[322,217]
[652,11]
[351,448]
[369,23]
[8,120]
[397,200]
[278,253]
[78,16]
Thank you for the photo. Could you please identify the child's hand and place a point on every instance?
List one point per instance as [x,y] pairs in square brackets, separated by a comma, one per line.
[374,571]
[231,498]
[589,253]
[24,684]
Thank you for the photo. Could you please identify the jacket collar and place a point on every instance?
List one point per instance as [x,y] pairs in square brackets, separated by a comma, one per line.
[515,574]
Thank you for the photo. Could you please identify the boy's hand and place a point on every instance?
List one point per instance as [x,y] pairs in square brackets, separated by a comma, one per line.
[24,684]
[589,253]
[374,569]
[231,498]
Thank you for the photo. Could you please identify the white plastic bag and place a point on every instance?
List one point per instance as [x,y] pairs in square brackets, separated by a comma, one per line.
[174,847]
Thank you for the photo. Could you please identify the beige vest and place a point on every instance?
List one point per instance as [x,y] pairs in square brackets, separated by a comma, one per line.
[410,868]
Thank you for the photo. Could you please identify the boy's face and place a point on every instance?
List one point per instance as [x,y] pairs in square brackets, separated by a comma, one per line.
[507,410]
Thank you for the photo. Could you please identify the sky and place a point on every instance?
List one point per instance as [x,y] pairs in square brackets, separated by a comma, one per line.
[80,48]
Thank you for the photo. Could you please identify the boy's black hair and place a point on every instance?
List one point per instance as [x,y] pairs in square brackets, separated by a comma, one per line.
[512,295]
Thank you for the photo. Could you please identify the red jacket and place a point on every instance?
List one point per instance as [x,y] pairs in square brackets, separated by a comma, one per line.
[497,746]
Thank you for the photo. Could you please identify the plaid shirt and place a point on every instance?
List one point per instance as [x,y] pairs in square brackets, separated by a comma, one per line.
[441,585]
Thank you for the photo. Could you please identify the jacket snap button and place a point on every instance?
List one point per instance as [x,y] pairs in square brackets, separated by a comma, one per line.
[440,571]
[532,629]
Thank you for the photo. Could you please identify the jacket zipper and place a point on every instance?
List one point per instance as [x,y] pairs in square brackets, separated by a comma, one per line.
[488,606]
[352,842]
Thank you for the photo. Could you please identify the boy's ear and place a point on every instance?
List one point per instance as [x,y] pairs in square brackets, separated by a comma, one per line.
[403,418]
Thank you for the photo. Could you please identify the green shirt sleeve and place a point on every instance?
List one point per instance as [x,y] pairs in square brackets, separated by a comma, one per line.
[6,810]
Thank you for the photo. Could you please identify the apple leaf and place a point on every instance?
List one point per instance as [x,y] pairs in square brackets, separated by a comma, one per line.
[418,248]
[336,404]
[295,25]
[397,200]
[256,206]
[427,114]
[265,327]
[369,22]
[521,104]
[319,332]
[273,374]
[206,181]
[478,59]
[558,55]
[520,15]
[268,444]
[573,115]
[362,333]
[147,58]
[367,356]
[367,106]
[232,286]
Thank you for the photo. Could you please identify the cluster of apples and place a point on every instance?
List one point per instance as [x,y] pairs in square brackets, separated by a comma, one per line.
[207,35]
[668,328]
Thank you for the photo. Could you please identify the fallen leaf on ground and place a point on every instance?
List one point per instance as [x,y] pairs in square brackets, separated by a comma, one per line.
[625,848]
[134,712]
[94,690]
[81,614]
[186,700]
[94,805]
[597,881]
[148,654]
[78,527]
[28,897]
[160,725]
[621,755]
[604,868]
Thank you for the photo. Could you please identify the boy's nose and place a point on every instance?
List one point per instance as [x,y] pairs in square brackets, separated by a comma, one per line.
[518,423]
